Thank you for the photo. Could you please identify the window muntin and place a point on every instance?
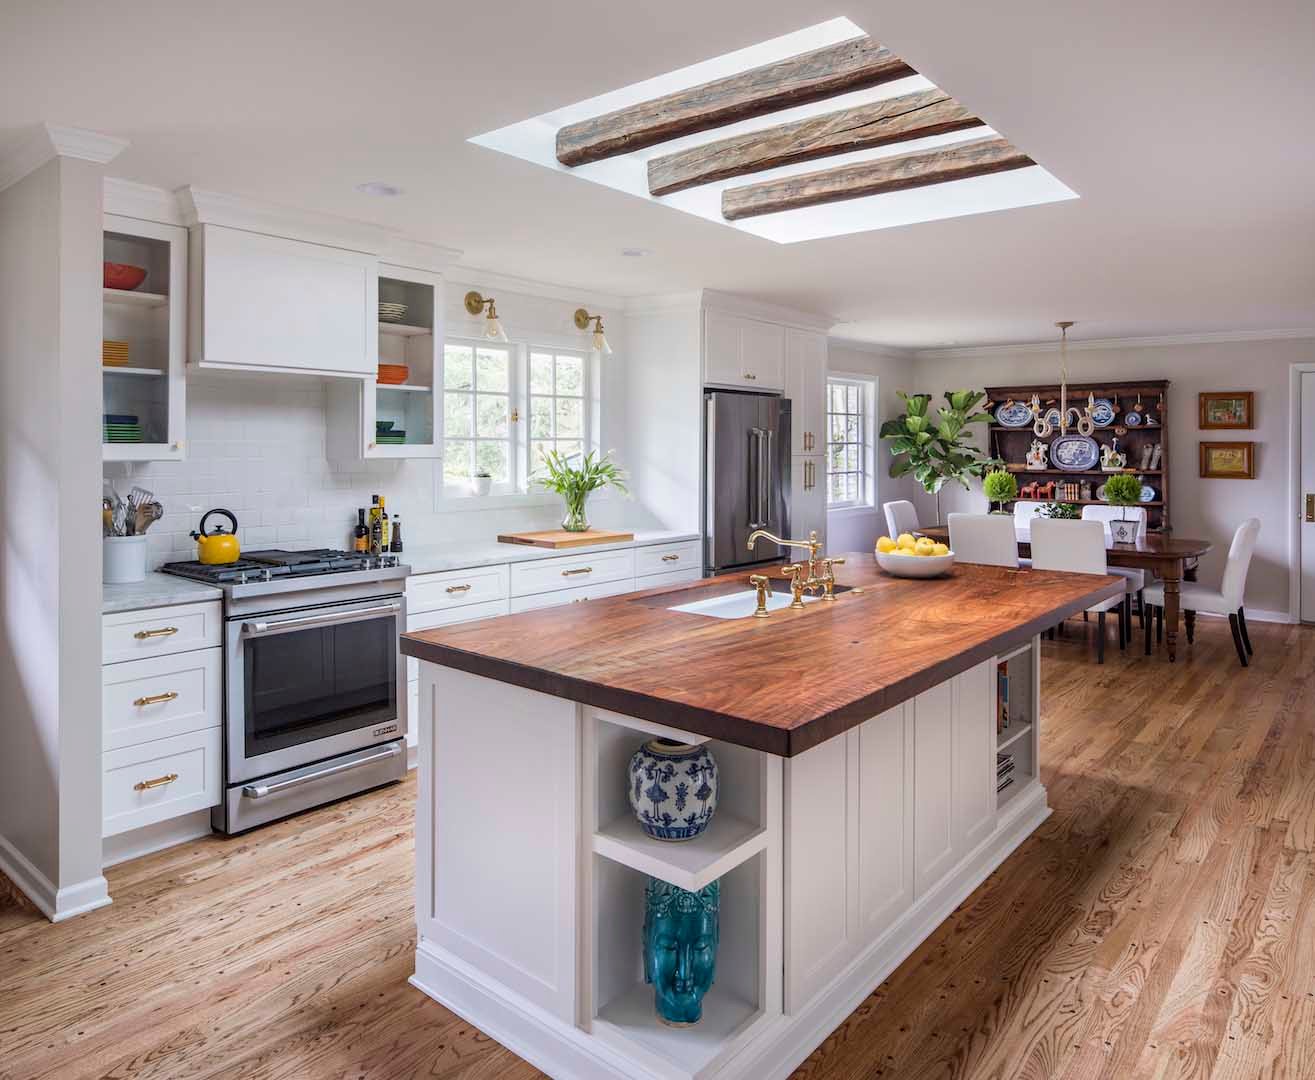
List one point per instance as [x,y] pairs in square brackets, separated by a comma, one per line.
[477,409]
[847,434]
[558,418]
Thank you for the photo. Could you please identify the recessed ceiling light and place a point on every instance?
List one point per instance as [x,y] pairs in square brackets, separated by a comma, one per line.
[635,253]
[379,188]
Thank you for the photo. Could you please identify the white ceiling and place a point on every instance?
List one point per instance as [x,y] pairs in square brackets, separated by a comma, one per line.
[1184,125]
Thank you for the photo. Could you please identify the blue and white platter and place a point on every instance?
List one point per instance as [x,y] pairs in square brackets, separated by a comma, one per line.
[1147,493]
[1133,419]
[1074,453]
[1103,412]
[1013,414]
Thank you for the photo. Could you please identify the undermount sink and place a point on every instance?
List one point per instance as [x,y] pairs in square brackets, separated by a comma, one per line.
[742,605]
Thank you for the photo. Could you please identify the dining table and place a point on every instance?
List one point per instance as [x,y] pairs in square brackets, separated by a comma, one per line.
[1172,559]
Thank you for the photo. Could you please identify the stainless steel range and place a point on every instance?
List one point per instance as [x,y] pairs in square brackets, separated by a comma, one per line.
[315,686]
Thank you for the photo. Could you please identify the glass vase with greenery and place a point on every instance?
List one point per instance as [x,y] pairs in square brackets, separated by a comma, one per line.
[574,482]
[1060,511]
[937,452]
[1000,487]
[1123,490]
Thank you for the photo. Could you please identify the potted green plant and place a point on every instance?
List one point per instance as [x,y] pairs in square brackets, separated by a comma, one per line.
[481,482]
[938,451]
[1123,489]
[1000,487]
[1060,511]
[574,482]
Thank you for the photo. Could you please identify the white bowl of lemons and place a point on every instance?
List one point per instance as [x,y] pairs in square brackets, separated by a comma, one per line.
[913,557]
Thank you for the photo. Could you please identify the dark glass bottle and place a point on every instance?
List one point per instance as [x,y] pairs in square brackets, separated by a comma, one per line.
[395,542]
[361,534]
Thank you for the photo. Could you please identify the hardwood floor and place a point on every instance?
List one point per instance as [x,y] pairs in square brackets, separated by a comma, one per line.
[1160,924]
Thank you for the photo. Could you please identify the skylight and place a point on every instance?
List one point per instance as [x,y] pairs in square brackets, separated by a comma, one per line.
[634,140]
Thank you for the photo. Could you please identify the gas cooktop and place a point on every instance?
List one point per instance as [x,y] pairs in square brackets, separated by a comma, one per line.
[271,565]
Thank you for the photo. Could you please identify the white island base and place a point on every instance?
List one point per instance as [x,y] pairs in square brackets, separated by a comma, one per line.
[834,866]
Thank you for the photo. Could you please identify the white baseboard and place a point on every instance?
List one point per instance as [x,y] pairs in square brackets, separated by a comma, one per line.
[566,1052]
[1254,615]
[155,837]
[56,904]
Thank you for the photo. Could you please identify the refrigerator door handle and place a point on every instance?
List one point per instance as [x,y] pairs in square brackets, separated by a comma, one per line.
[769,480]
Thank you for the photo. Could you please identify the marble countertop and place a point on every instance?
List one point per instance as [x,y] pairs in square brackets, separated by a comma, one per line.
[429,558]
[158,590]
[161,590]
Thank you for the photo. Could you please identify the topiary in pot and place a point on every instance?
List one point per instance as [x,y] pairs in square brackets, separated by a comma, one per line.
[1000,487]
[1124,490]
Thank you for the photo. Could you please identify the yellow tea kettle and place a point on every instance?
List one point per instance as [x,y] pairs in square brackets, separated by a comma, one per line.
[218,547]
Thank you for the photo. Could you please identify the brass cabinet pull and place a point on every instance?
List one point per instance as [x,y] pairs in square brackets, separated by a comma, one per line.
[578,570]
[163,631]
[671,558]
[155,699]
[458,588]
[159,781]
[750,375]
[579,600]
[1310,507]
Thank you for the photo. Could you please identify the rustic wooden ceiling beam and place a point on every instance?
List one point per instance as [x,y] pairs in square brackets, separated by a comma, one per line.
[898,119]
[797,80]
[956,162]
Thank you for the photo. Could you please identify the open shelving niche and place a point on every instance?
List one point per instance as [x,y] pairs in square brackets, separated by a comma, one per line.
[150,319]
[741,848]
[1021,737]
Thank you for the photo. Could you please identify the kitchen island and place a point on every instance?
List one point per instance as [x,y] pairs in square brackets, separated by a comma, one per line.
[856,744]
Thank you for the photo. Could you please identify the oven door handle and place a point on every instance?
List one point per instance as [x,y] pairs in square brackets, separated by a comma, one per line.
[328,618]
[260,791]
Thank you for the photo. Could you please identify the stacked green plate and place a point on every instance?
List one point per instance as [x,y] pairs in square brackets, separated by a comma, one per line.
[130,433]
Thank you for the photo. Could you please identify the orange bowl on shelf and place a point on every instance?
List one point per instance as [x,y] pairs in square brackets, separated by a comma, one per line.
[393,374]
[123,276]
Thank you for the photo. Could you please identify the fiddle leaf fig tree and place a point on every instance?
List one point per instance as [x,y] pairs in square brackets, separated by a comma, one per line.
[938,451]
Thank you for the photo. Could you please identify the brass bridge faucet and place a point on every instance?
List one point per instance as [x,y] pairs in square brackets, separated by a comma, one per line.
[803,576]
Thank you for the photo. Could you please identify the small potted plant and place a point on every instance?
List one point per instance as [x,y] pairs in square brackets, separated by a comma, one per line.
[1000,487]
[1060,511]
[1123,489]
[482,482]
[574,482]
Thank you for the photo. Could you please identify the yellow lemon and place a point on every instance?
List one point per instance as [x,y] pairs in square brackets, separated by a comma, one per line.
[925,545]
[906,540]
[886,544]
[940,549]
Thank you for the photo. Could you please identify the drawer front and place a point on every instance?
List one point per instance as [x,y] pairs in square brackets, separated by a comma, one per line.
[144,700]
[430,619]
[455,588]
[131,635]
[668,558]
[572,596]
[550,575]
[160,780]
[667,581]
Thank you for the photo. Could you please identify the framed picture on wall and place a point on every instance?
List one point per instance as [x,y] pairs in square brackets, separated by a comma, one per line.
[1228,460]
[1228,409]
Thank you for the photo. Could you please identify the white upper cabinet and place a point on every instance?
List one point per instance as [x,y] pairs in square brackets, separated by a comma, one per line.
[742,352]
[805,386]
[265,303]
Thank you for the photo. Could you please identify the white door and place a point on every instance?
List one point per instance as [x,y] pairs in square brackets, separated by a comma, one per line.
[1307,434]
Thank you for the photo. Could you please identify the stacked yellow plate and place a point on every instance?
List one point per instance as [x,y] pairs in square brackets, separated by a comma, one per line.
[114,353]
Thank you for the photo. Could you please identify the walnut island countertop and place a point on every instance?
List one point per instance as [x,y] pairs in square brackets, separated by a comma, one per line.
[781,684]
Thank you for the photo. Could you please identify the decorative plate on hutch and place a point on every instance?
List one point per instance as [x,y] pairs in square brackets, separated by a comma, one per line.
[1074,453]
[1133,419]
[1103,412]
[1147,493]
[1013,414]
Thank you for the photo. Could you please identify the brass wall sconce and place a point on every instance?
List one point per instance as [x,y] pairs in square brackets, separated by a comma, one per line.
[582,321]
[475,304]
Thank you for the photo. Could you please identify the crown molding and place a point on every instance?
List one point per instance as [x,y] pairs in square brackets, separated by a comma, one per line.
[690,302]
[127,198]
[889,352]
[484,280]
[419,255]
[732,303]
[48,141]
[1212,338]
[202,207]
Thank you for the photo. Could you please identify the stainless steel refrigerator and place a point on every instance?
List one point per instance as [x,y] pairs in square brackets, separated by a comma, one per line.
[748,478]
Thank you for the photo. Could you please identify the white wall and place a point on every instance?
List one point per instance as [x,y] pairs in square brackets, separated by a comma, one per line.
[256,446]
[50,739]
[1209,509]
[858,529]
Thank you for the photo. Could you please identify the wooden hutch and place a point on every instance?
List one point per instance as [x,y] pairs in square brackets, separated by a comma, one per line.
[1011,444]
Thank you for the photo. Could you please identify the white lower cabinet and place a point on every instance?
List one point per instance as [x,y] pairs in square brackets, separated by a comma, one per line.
[595,591]
[143,700]
[807,495]
[160,779]
[669,580]
[571,571]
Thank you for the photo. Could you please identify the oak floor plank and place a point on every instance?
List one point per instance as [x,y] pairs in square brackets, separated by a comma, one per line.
[1160,923]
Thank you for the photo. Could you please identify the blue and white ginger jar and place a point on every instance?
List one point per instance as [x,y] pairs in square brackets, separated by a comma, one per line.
[673,789]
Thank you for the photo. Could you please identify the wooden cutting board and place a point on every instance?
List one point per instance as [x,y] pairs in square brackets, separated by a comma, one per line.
[560,538]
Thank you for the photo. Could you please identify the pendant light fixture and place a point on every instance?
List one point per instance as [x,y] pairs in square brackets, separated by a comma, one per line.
[493,330]
[582,321]
[1081,420]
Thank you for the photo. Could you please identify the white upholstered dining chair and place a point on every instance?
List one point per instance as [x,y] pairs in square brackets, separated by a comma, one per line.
[989,539]
[1228,599]
[1134,580]
[1079,548]
[901,517]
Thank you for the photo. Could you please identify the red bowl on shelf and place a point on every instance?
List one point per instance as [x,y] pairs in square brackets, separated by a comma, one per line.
[123,276]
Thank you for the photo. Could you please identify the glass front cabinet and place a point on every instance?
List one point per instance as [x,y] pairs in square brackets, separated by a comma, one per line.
[143,357]
[394,414]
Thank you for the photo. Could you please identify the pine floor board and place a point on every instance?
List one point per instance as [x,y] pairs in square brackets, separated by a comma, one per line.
[1160,924]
